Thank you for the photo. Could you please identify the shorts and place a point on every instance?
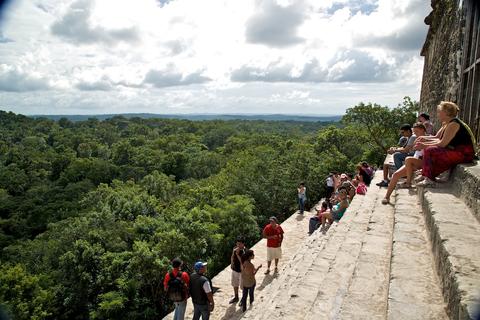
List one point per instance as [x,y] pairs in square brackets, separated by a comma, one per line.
[236,279]
[274,253]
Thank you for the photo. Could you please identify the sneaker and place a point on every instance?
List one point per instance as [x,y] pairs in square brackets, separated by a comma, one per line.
[382,183]
[234,299]
[426,183]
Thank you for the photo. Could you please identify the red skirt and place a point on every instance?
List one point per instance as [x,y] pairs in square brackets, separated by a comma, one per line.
[437,160]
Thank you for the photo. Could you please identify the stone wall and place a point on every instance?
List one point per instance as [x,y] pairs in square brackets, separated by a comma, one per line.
[443,52]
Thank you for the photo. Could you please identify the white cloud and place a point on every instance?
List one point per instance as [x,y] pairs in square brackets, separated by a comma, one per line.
[228,56]
[76,26]
[18,80]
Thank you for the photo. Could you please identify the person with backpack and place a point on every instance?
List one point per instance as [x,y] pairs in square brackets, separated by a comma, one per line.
[201,292]
[236,266]
[176,284]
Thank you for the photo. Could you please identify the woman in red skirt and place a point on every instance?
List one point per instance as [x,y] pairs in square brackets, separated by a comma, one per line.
[455,145]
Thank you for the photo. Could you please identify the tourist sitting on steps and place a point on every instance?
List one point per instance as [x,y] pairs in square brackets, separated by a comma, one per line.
[201,292]
[455,145]
[399,154]
[314,222]
[410,166]
[248,278]
[424,118]
[365,173]
[337,211]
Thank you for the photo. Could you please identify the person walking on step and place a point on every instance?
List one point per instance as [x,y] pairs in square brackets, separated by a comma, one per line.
[176,285]
[236,266]
[201,292]
[248,278]
[273,232]
[302,197]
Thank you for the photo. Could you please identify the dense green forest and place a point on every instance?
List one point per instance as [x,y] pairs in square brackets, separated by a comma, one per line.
[91,212]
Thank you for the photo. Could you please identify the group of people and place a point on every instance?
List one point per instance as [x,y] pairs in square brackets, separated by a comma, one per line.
[341,189]
[419,148]
[422,150]
[180,286]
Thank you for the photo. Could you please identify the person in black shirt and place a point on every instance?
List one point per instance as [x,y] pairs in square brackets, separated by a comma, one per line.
[236,266]
[201,292]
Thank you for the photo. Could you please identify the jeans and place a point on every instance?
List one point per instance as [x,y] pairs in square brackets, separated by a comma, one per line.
[399,159]
[301,204]
[201,310]
[246,292]
[313,224]
[180,308]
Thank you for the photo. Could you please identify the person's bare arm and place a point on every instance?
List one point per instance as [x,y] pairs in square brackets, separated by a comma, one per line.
[210,300]
[450,132]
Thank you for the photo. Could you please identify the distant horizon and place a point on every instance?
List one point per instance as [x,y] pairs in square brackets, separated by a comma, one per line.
[186,114]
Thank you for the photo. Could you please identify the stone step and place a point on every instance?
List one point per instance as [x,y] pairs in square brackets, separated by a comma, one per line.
[295,228]
[466,186]
[455,236]
[333,282]
[414,291]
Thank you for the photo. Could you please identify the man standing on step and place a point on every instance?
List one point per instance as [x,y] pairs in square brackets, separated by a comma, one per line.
[302,197]
[236,266]
[201,292]
[273,232]
[176,285]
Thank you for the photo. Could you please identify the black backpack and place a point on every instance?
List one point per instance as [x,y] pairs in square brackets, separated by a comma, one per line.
[177,288]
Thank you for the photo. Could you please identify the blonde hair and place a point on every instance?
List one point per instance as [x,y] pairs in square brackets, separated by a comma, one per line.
[450,108]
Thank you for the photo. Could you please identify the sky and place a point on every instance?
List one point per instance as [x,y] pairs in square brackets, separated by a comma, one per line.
[213,56]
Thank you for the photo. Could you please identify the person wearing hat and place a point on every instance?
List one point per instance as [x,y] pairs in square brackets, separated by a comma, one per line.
[236,266]
[273,232]
[176,284]
[201,292]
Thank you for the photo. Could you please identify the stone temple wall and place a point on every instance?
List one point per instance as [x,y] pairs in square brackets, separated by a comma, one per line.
[443,55]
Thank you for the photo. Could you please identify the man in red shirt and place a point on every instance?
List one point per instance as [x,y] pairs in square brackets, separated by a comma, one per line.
[274,235]
[181,280]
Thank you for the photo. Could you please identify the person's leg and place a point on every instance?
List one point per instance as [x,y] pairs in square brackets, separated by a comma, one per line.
[244,299]
[176,311]
[180,308]
[196,312]
[276,264]
[205,312]
[385,171]
[391,186]
[398,159]
[312,224]
[252,293]
[301,203]
[411,165]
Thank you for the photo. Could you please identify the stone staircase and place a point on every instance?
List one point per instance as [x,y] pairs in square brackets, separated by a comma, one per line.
[416,259]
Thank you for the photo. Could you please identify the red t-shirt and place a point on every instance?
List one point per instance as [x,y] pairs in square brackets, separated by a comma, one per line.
[185,278]
[270,231]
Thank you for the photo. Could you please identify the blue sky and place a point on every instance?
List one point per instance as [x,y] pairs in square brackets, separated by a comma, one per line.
[215,56]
